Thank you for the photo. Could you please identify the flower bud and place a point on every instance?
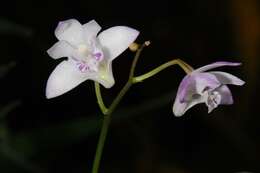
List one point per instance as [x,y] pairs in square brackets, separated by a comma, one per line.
[134,47]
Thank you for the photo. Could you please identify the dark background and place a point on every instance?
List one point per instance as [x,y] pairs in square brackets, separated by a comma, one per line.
[60,135]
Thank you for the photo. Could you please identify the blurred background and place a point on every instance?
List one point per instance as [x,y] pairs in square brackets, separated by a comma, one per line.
[60,135]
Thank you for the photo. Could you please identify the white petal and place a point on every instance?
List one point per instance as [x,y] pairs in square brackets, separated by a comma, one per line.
[226,95]
[215,65]
[64,78]
[90,30]
[180,108]
[226,78]
[60,49]
[70,30]
[116,40]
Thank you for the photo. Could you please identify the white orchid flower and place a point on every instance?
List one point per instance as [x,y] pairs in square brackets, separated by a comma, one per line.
[205,87]
[89,56]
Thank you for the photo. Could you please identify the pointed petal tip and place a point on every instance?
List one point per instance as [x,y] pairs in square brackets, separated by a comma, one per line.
[242,82]
[50,92]
[48,96]
[93,21]
[177,112]
[210,110]
[228,63]
[90,30]
[52,53]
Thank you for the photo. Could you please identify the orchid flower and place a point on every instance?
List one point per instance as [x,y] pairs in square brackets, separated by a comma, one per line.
[89,56]
[205,87]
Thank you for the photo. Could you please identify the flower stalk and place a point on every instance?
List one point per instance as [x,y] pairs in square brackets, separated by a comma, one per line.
[187,68]
[108,112]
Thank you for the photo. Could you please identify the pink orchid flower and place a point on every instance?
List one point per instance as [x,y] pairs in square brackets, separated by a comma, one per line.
[205,87]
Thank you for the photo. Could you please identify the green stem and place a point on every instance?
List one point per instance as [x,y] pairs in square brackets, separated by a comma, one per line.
[137,55]
[108,112]
[101,142]
[100,101]
[187,68]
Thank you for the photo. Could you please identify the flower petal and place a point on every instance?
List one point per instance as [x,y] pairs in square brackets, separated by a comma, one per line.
[213,100]
[186,88]
[64,78]
[90,30]
[196,84]
[226,95]
[70,30]
[226,78]
[215,65]
[116,40]
[61,49]
[179,108]
[105,75]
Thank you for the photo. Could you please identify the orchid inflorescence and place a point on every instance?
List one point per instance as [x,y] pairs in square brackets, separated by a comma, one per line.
[90,55]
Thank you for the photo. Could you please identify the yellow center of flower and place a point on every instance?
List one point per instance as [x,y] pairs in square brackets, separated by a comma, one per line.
[83,49]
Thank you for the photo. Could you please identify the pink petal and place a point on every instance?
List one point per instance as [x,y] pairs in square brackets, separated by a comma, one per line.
[179,108]
[196,84]
[226,78]
[226,95]
[215,65]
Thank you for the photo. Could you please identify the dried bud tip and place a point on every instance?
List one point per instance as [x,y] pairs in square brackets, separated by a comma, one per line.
[147,43]
[134,47]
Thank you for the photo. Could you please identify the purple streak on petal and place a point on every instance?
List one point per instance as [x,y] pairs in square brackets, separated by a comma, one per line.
[184,88]
[215,65]
[81,67]
[98,56]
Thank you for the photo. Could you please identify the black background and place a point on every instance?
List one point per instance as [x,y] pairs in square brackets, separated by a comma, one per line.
[60,135]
